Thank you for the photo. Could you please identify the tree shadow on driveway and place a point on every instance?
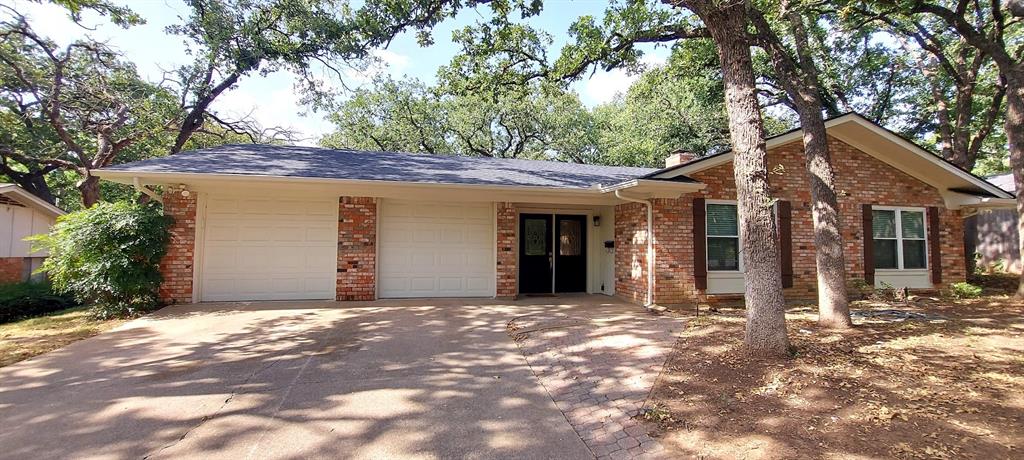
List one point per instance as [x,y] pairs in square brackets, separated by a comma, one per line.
[290,380]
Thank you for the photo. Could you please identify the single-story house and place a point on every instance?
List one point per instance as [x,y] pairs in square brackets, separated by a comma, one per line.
[257,222]
[22,214]
[991,236]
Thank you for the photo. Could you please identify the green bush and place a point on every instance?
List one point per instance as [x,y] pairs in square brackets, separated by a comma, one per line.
[963,291]
[108,256]
[22,300]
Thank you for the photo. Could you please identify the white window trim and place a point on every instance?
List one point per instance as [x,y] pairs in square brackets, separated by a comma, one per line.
[899,238]
[707,236]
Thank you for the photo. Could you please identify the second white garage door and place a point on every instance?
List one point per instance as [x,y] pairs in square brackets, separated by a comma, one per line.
[436,249]
[269,248]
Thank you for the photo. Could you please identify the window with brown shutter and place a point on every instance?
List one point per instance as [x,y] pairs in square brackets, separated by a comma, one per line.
[934,251]
[867,239]
[700,269]
[784,213]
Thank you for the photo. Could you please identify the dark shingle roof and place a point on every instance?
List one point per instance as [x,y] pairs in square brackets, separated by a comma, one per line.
[1003,181]
[295,161]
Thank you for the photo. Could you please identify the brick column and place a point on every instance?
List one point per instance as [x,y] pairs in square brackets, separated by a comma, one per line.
[357,248]
[631,252]
[506,257]
[177,265]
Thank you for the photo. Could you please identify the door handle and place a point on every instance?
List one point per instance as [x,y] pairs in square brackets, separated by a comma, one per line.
[551,260]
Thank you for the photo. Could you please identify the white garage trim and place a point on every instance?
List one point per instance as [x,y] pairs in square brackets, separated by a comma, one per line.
[265,247]
[436,249]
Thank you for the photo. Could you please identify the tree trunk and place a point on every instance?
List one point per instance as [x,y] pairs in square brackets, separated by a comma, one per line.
[765,306]
[90,190]
[34,183]
[1015,135]
[830,262]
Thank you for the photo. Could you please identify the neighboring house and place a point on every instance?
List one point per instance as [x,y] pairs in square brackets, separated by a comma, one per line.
[260,222]
[22,214]
[991,236]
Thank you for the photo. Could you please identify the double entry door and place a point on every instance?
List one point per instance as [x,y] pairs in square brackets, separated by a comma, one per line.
[552,253]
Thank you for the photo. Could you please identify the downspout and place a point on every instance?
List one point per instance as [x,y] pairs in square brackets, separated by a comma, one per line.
[650,244]
[146,190]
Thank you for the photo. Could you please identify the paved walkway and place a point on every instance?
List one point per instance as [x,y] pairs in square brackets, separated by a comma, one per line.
[416,379]
[599,365]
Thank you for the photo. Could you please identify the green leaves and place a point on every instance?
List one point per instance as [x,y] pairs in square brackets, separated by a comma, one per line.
[108,256]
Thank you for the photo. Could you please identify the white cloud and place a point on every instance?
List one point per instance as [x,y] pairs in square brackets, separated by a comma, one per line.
[273,102]
[604,86]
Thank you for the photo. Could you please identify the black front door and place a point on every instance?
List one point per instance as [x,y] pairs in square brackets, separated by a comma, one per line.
[570,254]
[535,254]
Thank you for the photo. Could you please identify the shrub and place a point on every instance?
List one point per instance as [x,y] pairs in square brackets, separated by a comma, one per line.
[22,300]
[108,256]
[963,291]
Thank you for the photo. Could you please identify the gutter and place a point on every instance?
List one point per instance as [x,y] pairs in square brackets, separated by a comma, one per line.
[137,183]
[650,245]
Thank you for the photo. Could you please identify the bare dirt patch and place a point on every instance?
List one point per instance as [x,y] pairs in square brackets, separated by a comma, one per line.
[917,388]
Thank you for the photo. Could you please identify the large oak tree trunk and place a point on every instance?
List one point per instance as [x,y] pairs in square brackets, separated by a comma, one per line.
[765,306]
[1014,127]
[830,262]
[89,187]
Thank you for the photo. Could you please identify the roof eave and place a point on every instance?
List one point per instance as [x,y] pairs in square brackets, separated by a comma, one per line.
[172,178]
[654,188]
[36,202]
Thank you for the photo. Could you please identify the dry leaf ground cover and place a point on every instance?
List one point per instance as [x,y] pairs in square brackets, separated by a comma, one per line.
[950,388]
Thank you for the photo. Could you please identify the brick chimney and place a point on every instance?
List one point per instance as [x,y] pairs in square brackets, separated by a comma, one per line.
[678,157]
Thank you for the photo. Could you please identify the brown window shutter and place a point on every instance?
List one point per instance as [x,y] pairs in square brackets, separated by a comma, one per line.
[869,245]
[934,245]
[784,214]
[700,241]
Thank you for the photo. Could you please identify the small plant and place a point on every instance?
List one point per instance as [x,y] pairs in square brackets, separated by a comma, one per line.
[656,413]
[108,256]
[22,300]
[963,291]
[885,293]
[859,289]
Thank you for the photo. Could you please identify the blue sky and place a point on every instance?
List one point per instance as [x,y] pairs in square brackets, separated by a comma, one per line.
[271,99]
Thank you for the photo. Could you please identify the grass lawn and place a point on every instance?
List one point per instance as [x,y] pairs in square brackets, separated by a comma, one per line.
[947,387]
[24,339]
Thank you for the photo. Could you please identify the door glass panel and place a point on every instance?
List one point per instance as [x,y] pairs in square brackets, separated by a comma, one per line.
[569,238]
[535,237]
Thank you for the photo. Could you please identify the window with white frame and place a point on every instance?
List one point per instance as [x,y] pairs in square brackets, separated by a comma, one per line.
[723,238]
[899,238]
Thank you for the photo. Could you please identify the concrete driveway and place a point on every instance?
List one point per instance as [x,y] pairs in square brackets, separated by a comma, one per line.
[416,379]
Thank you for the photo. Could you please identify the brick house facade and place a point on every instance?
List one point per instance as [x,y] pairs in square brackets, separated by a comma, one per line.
[860,179]
[448,234]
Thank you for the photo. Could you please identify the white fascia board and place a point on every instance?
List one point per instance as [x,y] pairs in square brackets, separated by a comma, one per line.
[36,202]
[654,187]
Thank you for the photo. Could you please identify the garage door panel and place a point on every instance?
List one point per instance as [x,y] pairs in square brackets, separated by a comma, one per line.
[269,249]
[436,250]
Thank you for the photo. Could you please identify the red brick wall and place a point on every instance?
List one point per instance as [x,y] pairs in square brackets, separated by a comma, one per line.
[176,266]
[508,250]
[357,252]
[860,179]
[631,252]
[11,269]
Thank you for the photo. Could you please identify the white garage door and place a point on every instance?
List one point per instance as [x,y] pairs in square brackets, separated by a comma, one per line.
[269,248]
[436,250]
